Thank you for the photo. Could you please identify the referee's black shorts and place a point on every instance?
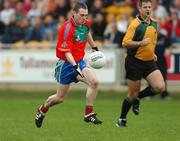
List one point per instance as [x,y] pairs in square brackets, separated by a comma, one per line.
[137,69]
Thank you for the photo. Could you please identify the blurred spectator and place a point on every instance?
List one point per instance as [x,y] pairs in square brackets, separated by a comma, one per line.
[125,8]
[97,7]
[83,1]
[176,7]
[36,32]
[134,3]
[33,12]
[113,9]
[172,26]
[50,7]
[72,3]
[115,37]
[61,20]
[175,23]
[107,2]
[1,4]
[123,23]
[50,28]
[120,8]
[88,2]
[159,11]
[41,4]
[13,32]
[98,26]
[26,6]
[19,12]
[69,15]
[90,18]
[2,29]
[62,8]
[167,4]
[6,13]
[111,19]
[25,26]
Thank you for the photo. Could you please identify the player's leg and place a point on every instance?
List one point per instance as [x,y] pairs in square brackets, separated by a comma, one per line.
[156,82]
[57,98]
[134,74]
[163,69]
[52,100]
[63,75]
[133,91]
[157,85]
[91,80]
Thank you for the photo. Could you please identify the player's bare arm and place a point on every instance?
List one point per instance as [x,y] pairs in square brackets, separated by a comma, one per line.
[91,41]
[71,60]
[155,57]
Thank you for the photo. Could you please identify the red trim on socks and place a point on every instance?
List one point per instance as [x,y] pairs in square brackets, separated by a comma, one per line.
[88,110]
[43,109]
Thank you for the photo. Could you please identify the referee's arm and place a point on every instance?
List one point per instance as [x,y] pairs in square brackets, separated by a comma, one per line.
[128,38]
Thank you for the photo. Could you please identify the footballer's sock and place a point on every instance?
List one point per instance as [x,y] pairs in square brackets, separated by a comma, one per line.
[148,91]
[88,110]
[43,109]
[126,105]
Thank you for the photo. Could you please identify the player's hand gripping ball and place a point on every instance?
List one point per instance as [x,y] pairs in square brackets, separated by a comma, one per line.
[97,59]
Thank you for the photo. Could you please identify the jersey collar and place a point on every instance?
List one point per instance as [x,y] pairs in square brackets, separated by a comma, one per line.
[73,21]
[141,19]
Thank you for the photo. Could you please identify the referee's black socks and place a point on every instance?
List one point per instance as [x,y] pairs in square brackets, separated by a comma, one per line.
[126,105]
[148,91]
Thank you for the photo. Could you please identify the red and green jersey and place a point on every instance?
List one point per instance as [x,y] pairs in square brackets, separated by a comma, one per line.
[72,38]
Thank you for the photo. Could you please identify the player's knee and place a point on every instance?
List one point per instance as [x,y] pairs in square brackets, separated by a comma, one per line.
[160,88]
[59,99]
[94,83]
[133,95]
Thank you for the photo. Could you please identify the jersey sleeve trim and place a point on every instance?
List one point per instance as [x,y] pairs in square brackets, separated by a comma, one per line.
[66,31]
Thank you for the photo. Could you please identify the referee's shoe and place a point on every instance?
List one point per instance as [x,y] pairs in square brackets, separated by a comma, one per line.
[135,107]
[121,122]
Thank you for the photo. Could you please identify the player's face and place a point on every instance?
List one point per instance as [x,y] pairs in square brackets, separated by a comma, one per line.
[145,9]
[81,16]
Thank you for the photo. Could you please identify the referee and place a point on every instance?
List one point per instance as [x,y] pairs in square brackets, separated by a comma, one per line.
[140,41]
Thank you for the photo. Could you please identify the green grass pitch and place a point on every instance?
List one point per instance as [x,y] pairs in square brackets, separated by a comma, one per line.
[158,120]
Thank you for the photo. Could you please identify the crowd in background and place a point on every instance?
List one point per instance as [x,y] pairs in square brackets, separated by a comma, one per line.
[39,20]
